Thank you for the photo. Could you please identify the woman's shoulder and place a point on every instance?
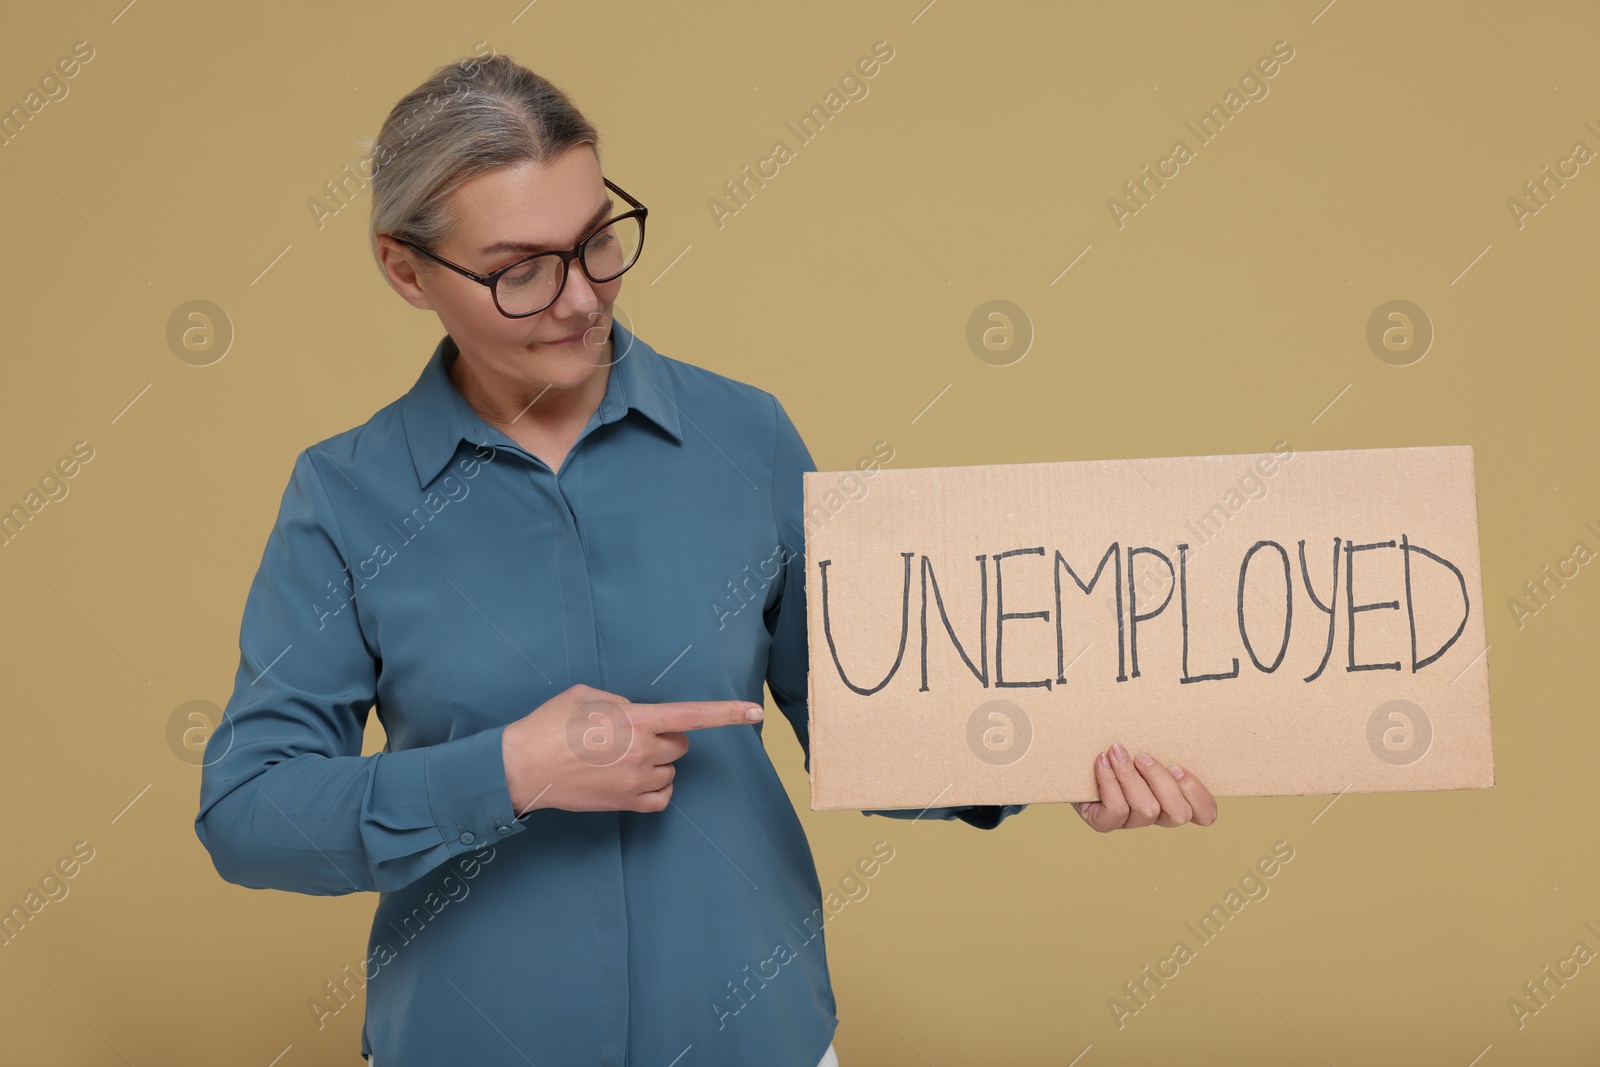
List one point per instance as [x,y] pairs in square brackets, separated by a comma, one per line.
[700,390]
[374,450]
[370,439]
[718,385]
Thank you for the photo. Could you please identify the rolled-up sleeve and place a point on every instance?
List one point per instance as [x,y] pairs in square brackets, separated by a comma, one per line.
[287,801]
[787,660]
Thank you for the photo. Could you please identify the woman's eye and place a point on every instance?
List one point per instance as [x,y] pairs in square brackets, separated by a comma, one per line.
[525,273]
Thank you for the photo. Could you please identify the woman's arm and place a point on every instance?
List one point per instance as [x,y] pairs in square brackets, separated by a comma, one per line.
[786,620]
[287,801]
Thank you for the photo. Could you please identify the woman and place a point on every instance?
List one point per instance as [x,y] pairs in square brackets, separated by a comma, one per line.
[526,563]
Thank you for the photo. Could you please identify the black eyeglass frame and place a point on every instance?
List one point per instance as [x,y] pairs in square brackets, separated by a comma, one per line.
[492,280]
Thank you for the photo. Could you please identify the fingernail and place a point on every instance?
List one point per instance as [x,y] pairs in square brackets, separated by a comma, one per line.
[1102,762]
[753,713]
[1144,759]
[1177,771]
[1121,753]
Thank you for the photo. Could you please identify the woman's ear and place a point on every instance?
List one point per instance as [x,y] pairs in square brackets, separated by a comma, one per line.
[400,267]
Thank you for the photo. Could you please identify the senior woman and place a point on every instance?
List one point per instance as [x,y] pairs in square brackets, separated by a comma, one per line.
[525,564]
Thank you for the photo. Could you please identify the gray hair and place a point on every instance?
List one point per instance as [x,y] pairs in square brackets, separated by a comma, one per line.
[469,117]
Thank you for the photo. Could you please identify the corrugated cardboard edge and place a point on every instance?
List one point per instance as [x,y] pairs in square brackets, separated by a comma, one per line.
[1488,676]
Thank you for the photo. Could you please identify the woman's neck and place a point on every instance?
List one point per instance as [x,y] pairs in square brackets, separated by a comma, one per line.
[512,405]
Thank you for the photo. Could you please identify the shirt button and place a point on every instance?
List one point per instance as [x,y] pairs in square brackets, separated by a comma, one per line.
[503,828]
[467,838]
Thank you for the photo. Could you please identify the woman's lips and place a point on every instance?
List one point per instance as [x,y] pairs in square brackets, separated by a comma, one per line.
[569,339]
[603,328]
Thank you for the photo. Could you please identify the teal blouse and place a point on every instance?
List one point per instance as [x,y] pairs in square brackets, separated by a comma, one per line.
[425,563]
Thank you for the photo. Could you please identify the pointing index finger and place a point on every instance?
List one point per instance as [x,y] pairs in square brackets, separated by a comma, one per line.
[672,716]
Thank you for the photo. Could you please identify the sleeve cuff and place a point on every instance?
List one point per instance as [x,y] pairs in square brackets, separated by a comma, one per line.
[983,816]
[467,791]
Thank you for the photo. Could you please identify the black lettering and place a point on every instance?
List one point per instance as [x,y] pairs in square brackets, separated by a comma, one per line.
[905,626]
[1466,607]
[1134,618]
[1288,605]
[1183,604]
[1333,599]
[983,622]
[1113,553]
[1000,616]
[1351,607]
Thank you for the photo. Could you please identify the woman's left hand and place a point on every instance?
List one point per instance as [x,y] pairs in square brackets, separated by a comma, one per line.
[1140,791]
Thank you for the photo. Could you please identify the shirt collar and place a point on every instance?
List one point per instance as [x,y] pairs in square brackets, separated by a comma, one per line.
[437,418]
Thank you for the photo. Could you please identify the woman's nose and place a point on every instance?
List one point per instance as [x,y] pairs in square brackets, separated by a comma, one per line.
[579,293]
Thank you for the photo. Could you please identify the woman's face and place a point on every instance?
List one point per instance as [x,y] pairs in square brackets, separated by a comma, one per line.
[535,207]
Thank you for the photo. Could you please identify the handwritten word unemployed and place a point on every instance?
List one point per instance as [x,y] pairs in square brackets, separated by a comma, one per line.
[1133,614]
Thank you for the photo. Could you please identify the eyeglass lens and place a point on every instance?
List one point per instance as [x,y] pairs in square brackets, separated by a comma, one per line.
[531,285]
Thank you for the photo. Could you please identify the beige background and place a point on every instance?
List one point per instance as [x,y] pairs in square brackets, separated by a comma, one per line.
[1226,315]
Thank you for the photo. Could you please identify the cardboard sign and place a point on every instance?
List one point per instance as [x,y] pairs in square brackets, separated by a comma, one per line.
[1285,623]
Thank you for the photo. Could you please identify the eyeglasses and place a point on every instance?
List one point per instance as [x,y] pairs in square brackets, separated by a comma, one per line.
[532,283]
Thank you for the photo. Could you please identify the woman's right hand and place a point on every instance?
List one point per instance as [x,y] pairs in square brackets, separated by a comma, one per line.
[585,749]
